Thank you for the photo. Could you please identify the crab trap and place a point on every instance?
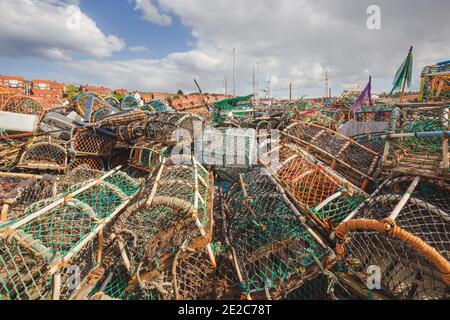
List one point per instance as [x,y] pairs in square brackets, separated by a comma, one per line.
[55,249]
[274,251]
[176,212]
[402,233]
[355,162]
[45,154]
[419,143]
[315,189]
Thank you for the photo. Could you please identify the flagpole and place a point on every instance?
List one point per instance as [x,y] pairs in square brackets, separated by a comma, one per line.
[404,78]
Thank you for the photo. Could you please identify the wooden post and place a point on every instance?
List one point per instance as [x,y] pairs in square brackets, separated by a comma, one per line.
[4,212]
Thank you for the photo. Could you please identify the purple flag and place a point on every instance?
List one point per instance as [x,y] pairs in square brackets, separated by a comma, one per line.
[365,94]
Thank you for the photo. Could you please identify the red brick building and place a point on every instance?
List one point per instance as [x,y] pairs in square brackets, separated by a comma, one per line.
[17,84]
[100,91]
[151,96]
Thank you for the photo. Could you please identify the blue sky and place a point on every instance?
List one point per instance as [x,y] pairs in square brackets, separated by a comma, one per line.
[162,45]
[119,18]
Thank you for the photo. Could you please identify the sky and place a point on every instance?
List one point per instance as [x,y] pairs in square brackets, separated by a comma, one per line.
[162,45]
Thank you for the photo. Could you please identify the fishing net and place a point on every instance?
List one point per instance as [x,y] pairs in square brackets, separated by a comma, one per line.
[274,249]
[85,142]
[403,229]
[55,239]
[176,212]
[318,192]
[44,153]
[355,162]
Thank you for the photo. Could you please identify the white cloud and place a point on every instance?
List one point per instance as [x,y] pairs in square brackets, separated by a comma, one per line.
[53,30]
[293,41]
[151,13]
[138,49]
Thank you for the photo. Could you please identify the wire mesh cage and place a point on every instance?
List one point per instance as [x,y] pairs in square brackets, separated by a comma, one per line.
[55,239]
[318,191]
[129,102]
[420,141]
[355,162]
[373,141]
[274,250]
[26,105]
[5,94]
[18,191]
[175,212]
[171,127]
[85,142]
[44,153]
[95,163]
[145,156]
[403,231]
[113,102]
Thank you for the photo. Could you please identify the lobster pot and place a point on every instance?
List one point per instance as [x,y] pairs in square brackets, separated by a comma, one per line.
[274,251]
[5,94]
[372,141]
[19,191]
[119,157]
[93,163]
[125,119]
[411,153]
[113,102]
[48,254]
[170,128]
[87,143]
[129,102]
[44,154]
[231,148]
[26,105]
[175,212]
[145,157]
[81,101]
[403,232]
[355,162]
[318,191]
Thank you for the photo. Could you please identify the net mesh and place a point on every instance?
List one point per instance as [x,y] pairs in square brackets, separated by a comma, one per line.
[407,272]
[45,153]
[355,162]
[87,143]
[274,250]
[31,247]
[151,234]
[319,191]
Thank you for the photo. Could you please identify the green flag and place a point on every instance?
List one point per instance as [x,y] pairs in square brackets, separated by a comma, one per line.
[404,73]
